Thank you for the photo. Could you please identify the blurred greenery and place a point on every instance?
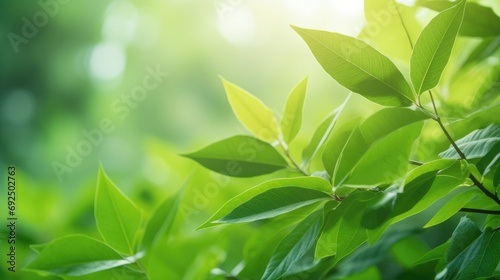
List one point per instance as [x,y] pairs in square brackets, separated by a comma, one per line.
[86,57]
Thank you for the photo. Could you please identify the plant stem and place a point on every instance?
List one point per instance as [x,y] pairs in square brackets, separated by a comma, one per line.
[481,211]
[437,118]
[414,162]
[460,153]
[287,154]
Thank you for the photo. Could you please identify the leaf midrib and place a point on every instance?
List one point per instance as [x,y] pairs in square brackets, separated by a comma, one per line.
[434,54]
[120,221]
[359,67]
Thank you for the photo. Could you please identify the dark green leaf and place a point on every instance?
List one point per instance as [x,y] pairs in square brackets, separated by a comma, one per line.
[358,67]
[479,21]
[77,255]
[271,199]
[294,246]
[472,254]
[292,114]
[117,217]
[476,144]
[433,48]
[240,156]
[377,213]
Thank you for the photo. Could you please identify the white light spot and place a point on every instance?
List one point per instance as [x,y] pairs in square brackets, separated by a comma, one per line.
[107,61]
[120,22]
[237,26]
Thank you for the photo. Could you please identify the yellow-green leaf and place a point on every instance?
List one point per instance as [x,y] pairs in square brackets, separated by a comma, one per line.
[251,112]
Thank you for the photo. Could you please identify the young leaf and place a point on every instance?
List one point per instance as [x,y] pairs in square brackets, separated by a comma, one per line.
[322,133]
[117,218]
[476,144]
[77,255]
[433,48]
[479,21]
[240,156]
[271,199]
[292,115]
[251,112]
[294,246]
[162,220]
[453,206]
[359,67]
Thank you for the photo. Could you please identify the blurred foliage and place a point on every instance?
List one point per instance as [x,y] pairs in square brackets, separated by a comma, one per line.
[62,83]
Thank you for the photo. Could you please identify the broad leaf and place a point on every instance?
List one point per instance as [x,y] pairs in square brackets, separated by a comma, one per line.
[292,114]
[386,160]
[377,213]
[476,144]
[77,255]
[384,28]
[433,48]
[453,206]
[271,199]
[240,156]
[343,232]
[117,218]
[479,21]
[302,238]
[435,254]
[358,67]
[473,256]
[251,112]
[343,158]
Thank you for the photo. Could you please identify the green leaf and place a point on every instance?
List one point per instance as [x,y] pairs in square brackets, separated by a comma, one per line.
[117,218]
[496,179]
[465,233]
[342,232]
[433,48]
[386,160]
[271,199]
[322,133]
[292,114]
[77,255]
[240,156]
[473,256]
[434,254]
[378,126]
[251,112]
[479,21]
[376,214]
[359,67]
[453,206]
[384,30]
[294,246]
[162,220]
[476,144]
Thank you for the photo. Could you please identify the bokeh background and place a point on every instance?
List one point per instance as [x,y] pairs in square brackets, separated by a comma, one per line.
[62,82]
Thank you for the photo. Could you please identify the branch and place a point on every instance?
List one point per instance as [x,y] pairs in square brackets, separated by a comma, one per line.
[481,211]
